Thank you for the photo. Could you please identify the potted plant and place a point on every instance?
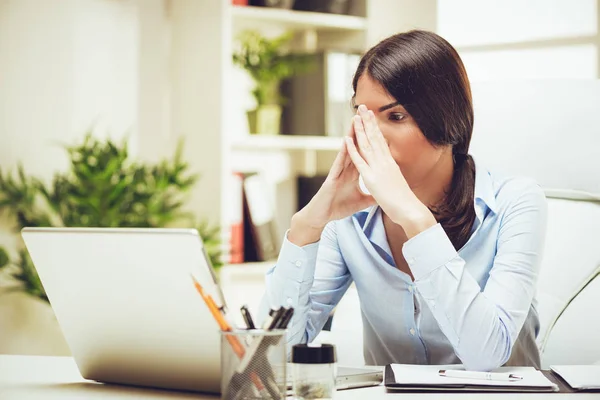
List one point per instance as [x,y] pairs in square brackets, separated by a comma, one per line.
[103,188]
[268,61]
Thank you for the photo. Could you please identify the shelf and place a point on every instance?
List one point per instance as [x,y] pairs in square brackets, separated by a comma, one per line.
[249,17]
[288,142]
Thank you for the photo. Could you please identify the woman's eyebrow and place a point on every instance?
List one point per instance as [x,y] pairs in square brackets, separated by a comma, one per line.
[387,107]
[383,108]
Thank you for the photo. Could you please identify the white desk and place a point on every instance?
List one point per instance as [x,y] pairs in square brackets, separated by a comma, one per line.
[49,378]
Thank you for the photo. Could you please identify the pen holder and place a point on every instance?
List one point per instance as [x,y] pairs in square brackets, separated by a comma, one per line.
[253,364]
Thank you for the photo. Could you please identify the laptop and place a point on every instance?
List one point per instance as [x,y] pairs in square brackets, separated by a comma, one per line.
[128,310]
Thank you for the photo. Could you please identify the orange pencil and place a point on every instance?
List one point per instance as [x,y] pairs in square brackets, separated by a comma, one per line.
[223,324]
[237,347]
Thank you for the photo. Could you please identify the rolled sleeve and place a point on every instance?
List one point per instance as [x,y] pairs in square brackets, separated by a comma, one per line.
[420,255]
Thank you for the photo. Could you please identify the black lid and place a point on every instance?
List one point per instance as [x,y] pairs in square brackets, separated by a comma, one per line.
[313,354]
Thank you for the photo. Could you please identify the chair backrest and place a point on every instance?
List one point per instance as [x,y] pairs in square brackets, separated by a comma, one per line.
[548,130]
[571,264]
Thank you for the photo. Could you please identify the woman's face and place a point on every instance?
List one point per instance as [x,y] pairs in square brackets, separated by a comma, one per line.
[415,156]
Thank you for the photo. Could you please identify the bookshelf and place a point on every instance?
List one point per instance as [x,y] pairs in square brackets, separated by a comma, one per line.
[206,97]
[249,17]
[281,159]
[287,142]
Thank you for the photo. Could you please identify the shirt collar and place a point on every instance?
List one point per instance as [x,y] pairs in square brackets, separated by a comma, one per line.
[373,228]
[484,188]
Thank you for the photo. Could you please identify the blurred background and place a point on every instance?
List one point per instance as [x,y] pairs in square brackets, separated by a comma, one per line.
[221,115]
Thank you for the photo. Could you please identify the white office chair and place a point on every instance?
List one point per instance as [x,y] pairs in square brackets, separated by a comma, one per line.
[548,130]
[569,287]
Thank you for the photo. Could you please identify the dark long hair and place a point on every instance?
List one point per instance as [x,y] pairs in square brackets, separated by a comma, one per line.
[425,74]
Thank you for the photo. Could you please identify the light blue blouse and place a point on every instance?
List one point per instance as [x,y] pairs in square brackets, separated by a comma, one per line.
[475,306]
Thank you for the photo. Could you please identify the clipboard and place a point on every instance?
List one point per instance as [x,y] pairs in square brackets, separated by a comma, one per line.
[417,378]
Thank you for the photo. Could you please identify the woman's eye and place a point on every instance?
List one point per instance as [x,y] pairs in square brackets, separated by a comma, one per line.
[396,117]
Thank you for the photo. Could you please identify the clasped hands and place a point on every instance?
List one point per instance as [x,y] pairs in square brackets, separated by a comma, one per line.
[382,176]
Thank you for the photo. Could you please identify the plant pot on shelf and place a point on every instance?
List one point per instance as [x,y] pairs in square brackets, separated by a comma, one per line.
[273,3]
[265,120]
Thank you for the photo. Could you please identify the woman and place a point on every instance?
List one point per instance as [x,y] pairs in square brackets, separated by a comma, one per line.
[444,254]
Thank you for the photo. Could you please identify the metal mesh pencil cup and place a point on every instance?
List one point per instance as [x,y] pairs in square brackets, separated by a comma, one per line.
[253,364]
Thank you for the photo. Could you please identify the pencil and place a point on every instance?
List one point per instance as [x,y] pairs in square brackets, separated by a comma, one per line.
[238,348]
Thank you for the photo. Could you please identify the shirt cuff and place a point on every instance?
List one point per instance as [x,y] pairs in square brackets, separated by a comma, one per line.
[428,251]
[295,262]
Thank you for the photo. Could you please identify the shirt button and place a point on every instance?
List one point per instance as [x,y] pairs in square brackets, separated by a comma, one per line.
[411,289]
[412,332]
[289,301]
[432,303]
[411,260]
[298,263]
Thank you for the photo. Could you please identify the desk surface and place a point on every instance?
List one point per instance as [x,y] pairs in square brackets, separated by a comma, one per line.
[32,377]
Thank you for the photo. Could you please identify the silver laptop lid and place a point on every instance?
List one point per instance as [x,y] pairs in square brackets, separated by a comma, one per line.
[127,306]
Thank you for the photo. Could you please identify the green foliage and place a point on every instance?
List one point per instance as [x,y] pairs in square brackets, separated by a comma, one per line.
[3,258]
[102,188]
[268,63]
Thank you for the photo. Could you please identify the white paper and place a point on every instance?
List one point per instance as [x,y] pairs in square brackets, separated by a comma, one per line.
[428,375]
[579,376]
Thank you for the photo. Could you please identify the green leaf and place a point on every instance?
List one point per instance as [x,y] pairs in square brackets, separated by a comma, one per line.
[268,62]
[103,187]
[4,259]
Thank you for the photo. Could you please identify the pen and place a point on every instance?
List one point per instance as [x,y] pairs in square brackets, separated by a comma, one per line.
[276,314]
[237,347]
[270,323]
[214,278]
[247,317]
[489,376]
[285,318]
[255,357]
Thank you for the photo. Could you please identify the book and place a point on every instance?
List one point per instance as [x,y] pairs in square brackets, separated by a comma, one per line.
[236,223]
[405,377]
[261,240]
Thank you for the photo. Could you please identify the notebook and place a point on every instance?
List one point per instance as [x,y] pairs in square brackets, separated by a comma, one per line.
[405,377]
[579,377]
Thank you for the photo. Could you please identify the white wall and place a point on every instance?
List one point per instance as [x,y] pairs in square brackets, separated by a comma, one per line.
[154,82]
[64,65]
[388,17]
[533,39]
[199,63]
[148,70]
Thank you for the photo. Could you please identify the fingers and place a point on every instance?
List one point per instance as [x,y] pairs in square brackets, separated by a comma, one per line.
[361,138]
[378,137]
[360,164]
[369,123]
[341,161]
[352,136]
[372,130]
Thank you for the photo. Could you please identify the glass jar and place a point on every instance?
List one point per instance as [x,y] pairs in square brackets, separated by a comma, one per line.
[313,371]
